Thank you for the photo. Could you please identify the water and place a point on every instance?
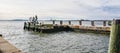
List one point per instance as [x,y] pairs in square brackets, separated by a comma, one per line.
[61,42]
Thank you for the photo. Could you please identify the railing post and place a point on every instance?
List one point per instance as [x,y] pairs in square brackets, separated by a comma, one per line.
[104,23]
[80,22]
[109,23]
[61,22]
[53,21]
[114,42]
[69,22]
[92,23]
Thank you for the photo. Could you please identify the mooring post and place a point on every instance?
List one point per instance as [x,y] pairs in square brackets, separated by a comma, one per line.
[53,21]
[69,22]
[29,25]
[114,42]
[104,23]
[80,22]
[92,23]
[61,22]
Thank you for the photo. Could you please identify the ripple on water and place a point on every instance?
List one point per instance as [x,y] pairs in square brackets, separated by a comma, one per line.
[62,42]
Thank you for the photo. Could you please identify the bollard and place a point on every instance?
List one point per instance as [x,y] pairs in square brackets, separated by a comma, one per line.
[69,22]
[104,23]
[80,22]
[114,42]
[61,22]
[92,23]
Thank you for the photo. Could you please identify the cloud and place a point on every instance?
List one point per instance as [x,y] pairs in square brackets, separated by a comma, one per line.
[98,7]
[62,8]
[112,9]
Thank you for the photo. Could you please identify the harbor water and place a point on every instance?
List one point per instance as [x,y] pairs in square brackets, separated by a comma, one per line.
[60,42]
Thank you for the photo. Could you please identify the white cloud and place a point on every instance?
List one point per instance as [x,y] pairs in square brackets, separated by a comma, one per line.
[75,8]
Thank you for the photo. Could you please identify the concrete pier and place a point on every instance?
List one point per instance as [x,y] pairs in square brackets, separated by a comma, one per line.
[70,27]
[6,47]
[91,29]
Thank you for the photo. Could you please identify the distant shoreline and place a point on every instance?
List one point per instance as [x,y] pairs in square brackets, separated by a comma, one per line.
[57,20]
[13,20]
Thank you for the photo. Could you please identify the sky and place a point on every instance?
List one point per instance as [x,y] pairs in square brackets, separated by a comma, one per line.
[65,9]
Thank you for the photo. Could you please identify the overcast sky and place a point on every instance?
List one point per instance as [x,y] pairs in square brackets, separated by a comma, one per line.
[12,9]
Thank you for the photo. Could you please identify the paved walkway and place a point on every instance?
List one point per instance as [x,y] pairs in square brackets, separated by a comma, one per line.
[6,47]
